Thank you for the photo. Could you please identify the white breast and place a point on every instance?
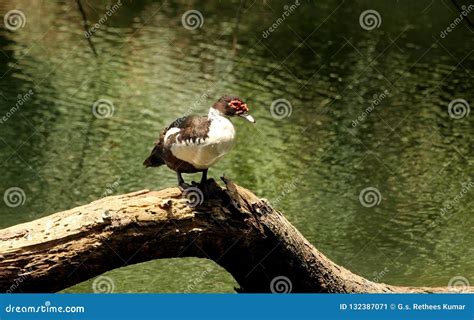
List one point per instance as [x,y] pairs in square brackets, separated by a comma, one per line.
[205,152]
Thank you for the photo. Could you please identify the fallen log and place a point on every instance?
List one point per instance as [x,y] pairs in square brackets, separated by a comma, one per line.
[233,227]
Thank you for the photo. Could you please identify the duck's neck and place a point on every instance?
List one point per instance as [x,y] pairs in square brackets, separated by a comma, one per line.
[214,114]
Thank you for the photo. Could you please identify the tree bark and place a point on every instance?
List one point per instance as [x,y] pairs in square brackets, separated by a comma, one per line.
[232,227]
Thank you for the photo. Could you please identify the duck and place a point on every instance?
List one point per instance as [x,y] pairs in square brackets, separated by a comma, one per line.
[193,143]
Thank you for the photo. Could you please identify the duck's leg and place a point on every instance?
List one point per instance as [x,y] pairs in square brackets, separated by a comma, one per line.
[203,183]
[181,184]
[204,177]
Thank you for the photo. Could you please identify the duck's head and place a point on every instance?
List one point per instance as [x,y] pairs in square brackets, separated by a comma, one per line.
[232,106]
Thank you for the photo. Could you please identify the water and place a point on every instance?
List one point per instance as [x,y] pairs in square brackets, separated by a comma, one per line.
[312,164]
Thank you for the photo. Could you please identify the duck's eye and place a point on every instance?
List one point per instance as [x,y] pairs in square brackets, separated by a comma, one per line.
[235,104]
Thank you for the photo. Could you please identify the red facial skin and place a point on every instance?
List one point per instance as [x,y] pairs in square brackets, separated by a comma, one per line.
[238,106]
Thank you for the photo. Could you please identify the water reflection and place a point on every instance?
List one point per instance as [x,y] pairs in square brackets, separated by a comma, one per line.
[313,164]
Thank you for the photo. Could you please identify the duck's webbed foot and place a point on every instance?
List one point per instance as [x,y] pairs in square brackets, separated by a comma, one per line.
[203,184]
[183,186]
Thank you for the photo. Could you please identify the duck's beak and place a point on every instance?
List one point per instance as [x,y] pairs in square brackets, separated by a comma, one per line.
[247,117]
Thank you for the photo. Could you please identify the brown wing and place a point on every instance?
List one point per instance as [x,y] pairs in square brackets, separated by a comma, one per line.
[192,129]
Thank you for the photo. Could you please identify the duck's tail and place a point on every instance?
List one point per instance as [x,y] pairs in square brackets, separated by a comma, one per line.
[154,159]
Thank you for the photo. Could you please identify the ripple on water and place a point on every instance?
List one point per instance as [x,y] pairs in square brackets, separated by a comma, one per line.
[311,164]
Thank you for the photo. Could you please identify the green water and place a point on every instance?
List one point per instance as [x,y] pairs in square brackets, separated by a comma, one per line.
[312,164]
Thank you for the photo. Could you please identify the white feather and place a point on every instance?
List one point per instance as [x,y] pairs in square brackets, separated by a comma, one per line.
[170,132]
[203,153]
